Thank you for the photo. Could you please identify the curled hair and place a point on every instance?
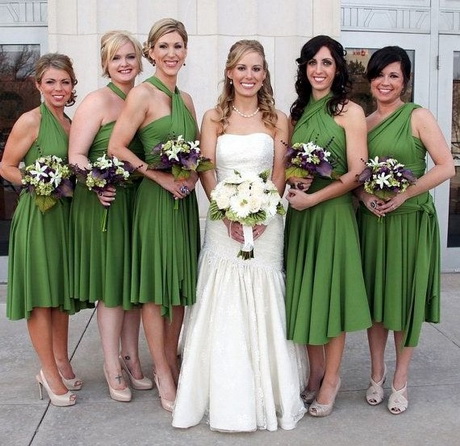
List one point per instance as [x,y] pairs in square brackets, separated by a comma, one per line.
[111,42]
[265,99]
[59,62]
[385,56]
[341,85]
[158,30]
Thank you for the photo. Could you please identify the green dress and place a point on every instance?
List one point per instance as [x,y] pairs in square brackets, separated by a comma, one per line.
[38,269]
[401,251]
[101,261]
[325,292]
[166,241]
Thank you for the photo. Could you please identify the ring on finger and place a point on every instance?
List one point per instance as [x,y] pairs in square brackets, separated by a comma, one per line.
[373,204]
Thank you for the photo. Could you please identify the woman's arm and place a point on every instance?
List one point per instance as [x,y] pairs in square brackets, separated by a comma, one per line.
[208,149]
[353,121]
[85,125]
[280,137]
[425,127]
[22,136]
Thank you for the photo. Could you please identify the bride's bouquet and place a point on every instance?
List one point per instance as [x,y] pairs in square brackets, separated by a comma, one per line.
[305,160]
[385,177]
[49,179]
[104,172]
[249,199]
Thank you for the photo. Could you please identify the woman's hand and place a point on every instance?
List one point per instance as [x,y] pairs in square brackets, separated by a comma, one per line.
[392,204]
[107,196]
[258,230]
[178,189]
[235,230]
[372,203]
[302,184]
[299,200]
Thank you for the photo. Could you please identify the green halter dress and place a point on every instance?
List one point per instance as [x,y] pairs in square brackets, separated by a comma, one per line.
[38,262]
[325,292]
[401,252]
[101,261]
[166,240]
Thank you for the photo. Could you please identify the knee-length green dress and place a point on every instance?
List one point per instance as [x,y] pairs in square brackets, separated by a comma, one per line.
[325,292]
[166,240]
[101,261]
[38,255]
[401,251]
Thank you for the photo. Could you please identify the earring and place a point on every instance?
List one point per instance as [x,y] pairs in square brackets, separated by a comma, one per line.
[231,82]
[184,64]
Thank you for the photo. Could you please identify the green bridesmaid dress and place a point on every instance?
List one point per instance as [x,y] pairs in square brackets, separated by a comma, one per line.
[166,240]
[401,251]
[38,262]
[325,292]
[101,261]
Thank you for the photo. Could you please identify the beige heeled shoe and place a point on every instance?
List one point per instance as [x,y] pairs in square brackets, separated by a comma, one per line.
[64,400]
[398,402]
[375,393]
[138,384]
[122,395]
[323,410]
[166,404]
[72,383]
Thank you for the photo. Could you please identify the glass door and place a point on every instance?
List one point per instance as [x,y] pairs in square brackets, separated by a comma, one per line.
[449,119]
[19,49]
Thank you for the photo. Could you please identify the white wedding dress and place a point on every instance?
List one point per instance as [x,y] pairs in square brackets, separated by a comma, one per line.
[238,369]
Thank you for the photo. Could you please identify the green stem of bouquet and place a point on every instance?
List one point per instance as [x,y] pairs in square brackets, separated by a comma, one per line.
[176,204]
[105,215]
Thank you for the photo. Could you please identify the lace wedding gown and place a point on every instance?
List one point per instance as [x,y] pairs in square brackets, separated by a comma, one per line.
[238,368]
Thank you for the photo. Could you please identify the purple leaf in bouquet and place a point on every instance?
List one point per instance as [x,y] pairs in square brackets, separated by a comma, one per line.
[365,175]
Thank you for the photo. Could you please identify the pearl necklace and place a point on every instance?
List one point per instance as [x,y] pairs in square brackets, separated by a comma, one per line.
[243,115]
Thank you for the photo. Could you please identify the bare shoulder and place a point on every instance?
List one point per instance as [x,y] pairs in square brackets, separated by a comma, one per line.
[282,117]
[187,99]
[30,120]
[353,109]
[422,115]
[94,101]
[211,115]
[142,92]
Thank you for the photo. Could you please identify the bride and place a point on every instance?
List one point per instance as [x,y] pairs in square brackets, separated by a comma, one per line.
[238,369]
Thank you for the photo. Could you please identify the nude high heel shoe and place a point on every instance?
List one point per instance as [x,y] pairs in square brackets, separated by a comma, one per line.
[67,399]
[72,383]
[123,395]
[323,410]
[375,393]
[398,402]
[166,404]
[138,384]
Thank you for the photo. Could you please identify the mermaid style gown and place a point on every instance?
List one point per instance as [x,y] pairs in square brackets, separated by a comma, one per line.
[166,240]
[325,292]
[238,369]
[38,264]
[401,252]
[101,261]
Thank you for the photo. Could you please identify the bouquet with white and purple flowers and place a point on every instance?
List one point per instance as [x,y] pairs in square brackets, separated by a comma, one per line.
[250,199]
[385,177]
[305,160]
[106,171]
[49,179]
[181,157]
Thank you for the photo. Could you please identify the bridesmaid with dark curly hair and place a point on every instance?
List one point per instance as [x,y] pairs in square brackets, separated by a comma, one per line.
[325,293]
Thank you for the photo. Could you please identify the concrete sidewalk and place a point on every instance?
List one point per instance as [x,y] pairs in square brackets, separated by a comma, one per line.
[433,417]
